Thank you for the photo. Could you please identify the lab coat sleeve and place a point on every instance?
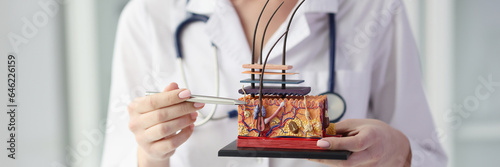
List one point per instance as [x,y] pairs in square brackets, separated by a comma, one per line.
[397,95]
[130,78]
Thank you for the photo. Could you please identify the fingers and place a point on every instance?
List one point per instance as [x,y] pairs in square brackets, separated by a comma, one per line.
[348,125]
[169,113]
[356,159]
[170,87]
[165,129]
[171,143]
[364,157]
[366,139]
[156,119]
[332,163]
[159,100]
[361,141]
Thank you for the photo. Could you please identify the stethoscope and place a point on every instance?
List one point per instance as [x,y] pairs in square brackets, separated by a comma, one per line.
[336,104]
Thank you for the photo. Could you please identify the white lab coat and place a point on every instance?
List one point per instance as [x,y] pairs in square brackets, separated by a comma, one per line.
[377,68]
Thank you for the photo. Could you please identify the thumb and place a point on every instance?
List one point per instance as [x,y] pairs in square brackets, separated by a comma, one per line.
[334,143]
[356,143]
[171,86]
[340,143]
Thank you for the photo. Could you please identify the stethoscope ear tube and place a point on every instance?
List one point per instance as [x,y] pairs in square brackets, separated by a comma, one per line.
[336,104]
[180,28]
[178,48]
[331,79]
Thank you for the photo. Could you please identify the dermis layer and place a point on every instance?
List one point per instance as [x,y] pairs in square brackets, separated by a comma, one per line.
[294,110]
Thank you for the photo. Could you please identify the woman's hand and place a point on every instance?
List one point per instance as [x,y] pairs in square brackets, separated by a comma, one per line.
[155,120]
[373,143]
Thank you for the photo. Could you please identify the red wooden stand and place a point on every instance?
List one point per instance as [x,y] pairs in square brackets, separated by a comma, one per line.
[286,143]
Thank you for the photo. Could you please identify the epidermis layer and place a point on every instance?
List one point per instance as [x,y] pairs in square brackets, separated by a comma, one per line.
[307,116]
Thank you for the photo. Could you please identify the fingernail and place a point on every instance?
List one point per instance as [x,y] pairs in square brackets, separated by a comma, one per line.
[194,115]
[185,94]
[323,144]
[191,126]
[198,105]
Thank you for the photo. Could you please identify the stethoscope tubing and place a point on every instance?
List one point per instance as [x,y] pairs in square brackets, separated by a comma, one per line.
[331,20]
[180,56]
[180,29]
[331,86]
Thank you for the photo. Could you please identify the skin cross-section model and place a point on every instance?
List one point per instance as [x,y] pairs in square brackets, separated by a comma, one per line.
[280,116]
[295,119]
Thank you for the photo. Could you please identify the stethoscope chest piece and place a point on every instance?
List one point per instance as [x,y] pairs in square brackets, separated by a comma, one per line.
[336,106]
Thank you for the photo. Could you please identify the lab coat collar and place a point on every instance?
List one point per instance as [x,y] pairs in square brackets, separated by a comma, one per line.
[207,7]
[231,39]
[321,6]
[225,34]
[203,7]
